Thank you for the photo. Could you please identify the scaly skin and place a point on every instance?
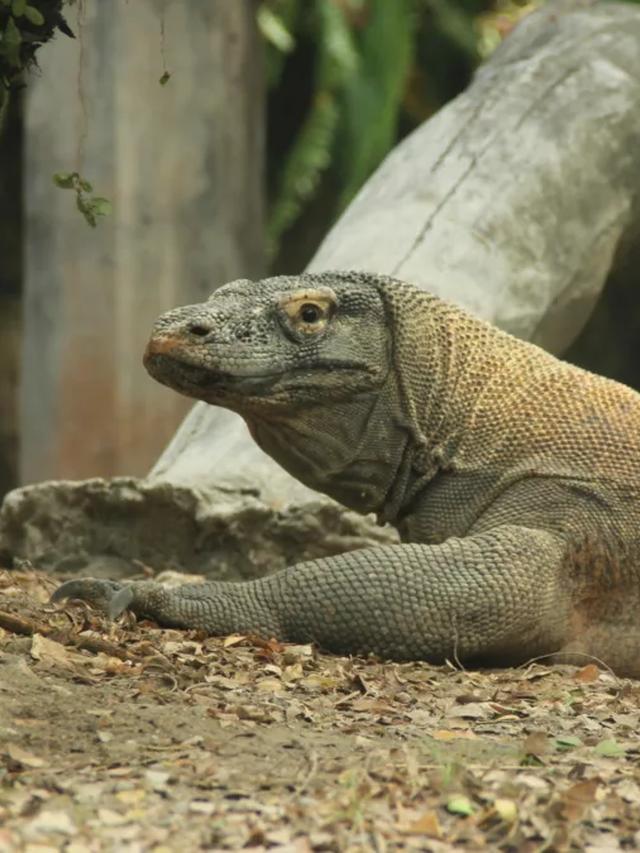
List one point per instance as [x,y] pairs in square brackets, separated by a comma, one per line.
[513,477]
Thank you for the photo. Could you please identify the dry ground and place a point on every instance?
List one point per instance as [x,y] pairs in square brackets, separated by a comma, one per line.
[129,738]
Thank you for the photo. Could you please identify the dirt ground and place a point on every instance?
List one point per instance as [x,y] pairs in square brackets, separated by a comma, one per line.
[125,737]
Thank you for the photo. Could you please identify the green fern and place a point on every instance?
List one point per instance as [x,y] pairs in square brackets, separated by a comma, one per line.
[303,168]
[372,97]
[312,151]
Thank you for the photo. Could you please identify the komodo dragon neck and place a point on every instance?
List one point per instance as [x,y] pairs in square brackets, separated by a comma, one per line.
[378,452]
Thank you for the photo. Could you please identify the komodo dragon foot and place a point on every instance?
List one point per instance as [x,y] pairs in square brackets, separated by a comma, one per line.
[110,597]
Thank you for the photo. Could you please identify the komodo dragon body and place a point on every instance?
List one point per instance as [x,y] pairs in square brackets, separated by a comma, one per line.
[513,478]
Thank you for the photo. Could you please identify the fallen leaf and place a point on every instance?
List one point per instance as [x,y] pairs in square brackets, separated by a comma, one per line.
[233,640]
[536,743]
[506,810]
[587,674]
[446,735]
[202,807]
[460,804]
[48,651]
[610,748]
[472,710]
[23,757]
[576,799]
[269,685]
[131,797]
[52,821]
[566,742]
[428,824]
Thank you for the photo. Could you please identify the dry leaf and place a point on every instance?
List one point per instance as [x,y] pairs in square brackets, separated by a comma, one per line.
[233,640]
[587,674]
[536,743]
[48,651]
[428,824]
[132,796]
[575,801]
[22,756]
[506,810]
[52,821]
[270,685]
[471,710]
[446,735]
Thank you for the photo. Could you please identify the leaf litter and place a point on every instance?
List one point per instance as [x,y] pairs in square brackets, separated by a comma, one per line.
[125,736]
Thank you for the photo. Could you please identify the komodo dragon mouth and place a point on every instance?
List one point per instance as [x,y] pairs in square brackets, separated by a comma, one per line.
[177,371]
[167,360]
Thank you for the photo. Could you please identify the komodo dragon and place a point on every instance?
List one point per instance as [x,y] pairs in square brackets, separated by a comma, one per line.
[513,478]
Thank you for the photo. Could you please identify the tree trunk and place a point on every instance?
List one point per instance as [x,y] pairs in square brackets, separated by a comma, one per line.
[182,165]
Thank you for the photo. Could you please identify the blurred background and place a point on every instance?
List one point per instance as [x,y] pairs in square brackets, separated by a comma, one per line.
[194,143]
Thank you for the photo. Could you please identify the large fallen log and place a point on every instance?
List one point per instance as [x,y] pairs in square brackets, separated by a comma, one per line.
[517,200]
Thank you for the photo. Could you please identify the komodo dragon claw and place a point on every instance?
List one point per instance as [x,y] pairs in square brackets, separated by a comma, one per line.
[110,597]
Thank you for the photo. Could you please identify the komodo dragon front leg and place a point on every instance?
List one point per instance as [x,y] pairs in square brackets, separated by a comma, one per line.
[490,597]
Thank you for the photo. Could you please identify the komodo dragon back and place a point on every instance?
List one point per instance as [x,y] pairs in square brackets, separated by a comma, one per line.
[512,477]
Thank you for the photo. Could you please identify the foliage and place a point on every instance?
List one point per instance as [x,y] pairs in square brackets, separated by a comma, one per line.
[377,70]
[90,206]
[24,27]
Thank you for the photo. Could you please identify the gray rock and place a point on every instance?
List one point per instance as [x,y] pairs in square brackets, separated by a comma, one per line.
[115,528]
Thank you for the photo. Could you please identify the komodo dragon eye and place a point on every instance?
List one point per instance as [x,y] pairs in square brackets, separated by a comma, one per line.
[309,311]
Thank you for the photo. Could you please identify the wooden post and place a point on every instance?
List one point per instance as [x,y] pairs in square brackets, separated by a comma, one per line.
[182,165]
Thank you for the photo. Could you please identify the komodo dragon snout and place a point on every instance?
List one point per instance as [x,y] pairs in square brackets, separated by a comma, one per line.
[513,478]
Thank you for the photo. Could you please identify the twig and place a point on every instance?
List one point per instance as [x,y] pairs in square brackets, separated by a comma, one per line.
[20,625]
[91,643]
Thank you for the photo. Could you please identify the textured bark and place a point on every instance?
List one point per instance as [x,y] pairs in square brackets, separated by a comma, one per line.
[515,201]
[182,166]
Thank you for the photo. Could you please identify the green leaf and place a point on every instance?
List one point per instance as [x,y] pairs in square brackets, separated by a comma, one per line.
[34,16]
[531,761]
[292,17]
[567,742]
[338,57]
[457,24]
[65,180]
[165,78]
[459,804]
[100,206]
[11,42]
[274,30]
[303,168]
[84,185]
[18,7]
[610,749]
[373,94]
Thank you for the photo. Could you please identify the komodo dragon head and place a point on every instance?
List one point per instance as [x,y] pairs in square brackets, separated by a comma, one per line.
[305,360]
[281,343]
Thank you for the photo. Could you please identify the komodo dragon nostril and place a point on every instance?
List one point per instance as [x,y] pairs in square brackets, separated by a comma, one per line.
[198,329]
